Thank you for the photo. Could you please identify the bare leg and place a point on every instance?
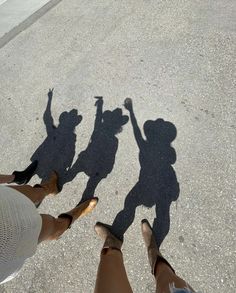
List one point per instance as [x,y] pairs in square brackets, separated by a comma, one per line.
[166,279]
[53,228]
[6,178]
[20,177]
[111,275]
[35,194]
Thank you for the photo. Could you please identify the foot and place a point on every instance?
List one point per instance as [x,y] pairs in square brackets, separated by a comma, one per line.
[23,177]
[80,210]
[154,255]
[51,186]
[110,240]
[83,208]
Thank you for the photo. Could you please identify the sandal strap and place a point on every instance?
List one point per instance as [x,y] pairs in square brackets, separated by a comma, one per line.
[67,216]
[107,248]
[160,259]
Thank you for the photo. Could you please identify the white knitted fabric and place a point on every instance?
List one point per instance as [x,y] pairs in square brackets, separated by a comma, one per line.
[20,226]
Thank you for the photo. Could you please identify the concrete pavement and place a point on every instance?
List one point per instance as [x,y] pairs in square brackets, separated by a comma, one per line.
[176,60]
[16,16]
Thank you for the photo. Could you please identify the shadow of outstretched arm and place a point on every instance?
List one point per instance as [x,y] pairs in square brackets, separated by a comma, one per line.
[47,116]
[98,119]
[137,132]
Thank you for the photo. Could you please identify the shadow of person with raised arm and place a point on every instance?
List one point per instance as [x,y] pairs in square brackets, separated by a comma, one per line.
[157,185]
[98,159]
[58,149]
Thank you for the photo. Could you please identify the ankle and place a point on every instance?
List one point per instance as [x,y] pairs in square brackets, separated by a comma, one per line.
[9,179]
[64,223]
[162,268]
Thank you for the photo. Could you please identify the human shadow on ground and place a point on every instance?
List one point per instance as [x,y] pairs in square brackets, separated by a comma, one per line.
[98,159]
[58,149]
[157,185]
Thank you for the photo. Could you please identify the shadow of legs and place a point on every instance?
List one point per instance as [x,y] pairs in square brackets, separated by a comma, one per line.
[126,216]
[161,224]
[70,175]
[90,187]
